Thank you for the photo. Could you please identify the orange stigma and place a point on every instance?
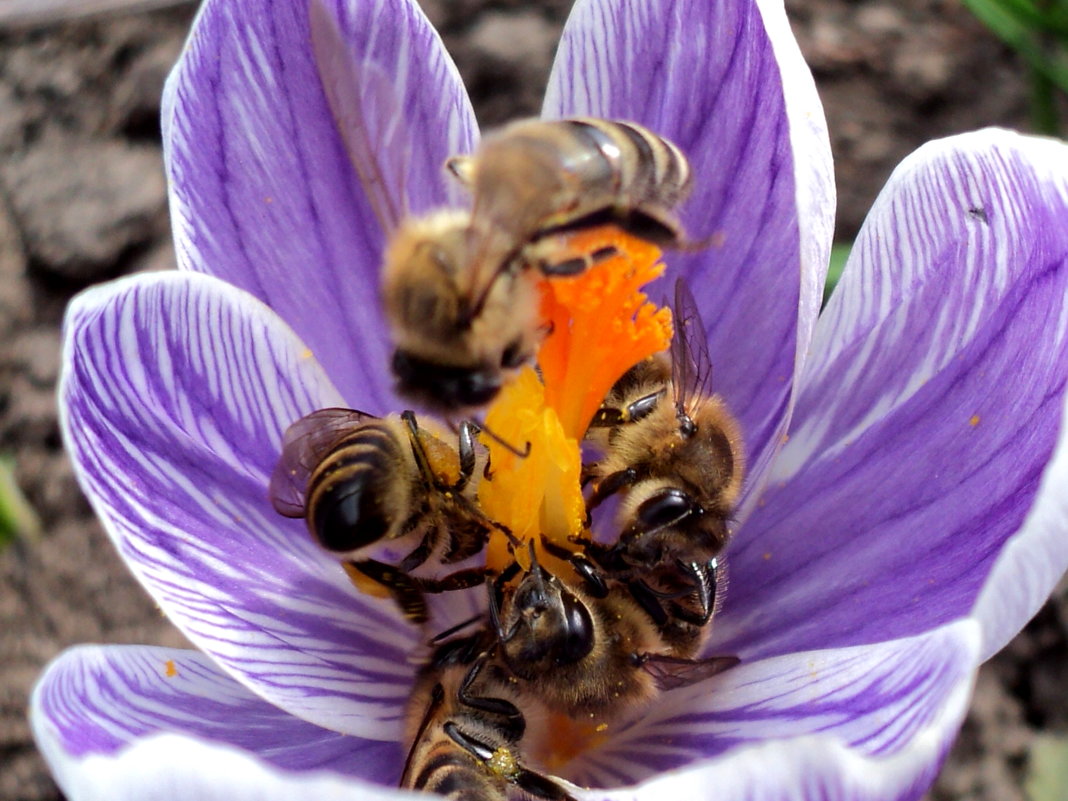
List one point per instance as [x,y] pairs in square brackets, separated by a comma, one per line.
[600,325]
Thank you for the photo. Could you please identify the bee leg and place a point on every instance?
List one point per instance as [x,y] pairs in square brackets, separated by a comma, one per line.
[610,485]
[466,449]
[586,570]
[540,786]
[419,555]
[704,579]
[509,720]
[460,580]
[463,624]
[511,725]
[496,592]
[402,587]
[647,599]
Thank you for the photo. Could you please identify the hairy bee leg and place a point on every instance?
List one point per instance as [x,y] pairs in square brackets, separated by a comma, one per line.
[402,588]
[408,416]
[466,449]
[511,722]
[527,780]
[610,485]
[460,580]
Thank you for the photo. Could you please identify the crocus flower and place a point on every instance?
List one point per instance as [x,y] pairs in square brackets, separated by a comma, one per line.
[907,526]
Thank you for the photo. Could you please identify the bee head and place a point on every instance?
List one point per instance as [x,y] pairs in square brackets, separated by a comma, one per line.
[548,625]
[455,345]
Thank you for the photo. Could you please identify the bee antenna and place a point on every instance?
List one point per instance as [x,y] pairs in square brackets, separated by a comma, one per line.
[481,426]
[513,541]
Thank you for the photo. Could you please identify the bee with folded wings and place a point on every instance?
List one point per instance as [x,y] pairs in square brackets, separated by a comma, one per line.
[459,287]
[673,452]
[386,497]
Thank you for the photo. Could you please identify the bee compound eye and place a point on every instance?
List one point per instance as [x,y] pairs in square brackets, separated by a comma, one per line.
[350,516]
[664,509]
[577,634]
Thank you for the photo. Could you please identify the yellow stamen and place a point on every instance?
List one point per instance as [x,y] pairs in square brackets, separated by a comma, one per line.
[601,325]
[537,493]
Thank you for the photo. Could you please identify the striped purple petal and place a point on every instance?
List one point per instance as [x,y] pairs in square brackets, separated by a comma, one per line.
[98,700]
[726,81]
[928,415]
[263,193]
[176,390]
[879,718]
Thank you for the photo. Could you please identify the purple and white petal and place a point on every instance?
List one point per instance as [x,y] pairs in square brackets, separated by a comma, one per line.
[100,700]
[727,82]
[176,390]
[173,767]
[880,718]
[928,414]
[263,193]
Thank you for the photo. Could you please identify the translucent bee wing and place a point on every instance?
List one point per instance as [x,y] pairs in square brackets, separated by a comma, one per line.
[691,364]
[368,114]
[671,672]
[304,445]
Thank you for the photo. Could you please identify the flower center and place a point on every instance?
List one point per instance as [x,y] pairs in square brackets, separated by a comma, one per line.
[600,325]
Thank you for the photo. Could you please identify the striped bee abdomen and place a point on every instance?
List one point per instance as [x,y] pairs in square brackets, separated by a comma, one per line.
[360,493]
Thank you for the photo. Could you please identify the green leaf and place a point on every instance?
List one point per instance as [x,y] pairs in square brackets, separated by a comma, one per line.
[1018,28]
[18,520]
[839,255]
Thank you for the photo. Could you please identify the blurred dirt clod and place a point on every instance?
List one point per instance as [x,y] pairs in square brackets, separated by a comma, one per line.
[80,204]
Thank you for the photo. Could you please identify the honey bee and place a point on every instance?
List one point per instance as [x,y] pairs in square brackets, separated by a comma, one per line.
[586,648]
[459,287]
[462,327]
[468,728]
[386,497]
[535,178]
[674,453]
[533,183]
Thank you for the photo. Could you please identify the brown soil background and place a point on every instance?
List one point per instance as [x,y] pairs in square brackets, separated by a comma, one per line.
[82,199]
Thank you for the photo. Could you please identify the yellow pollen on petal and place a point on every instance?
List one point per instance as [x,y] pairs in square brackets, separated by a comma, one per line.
[170,670]
[600,325]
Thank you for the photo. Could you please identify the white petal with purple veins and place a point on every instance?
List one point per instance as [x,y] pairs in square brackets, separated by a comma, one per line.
[263,193]
[176,390]
[881,702]
[100,700]
[726,82]
[928,412]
